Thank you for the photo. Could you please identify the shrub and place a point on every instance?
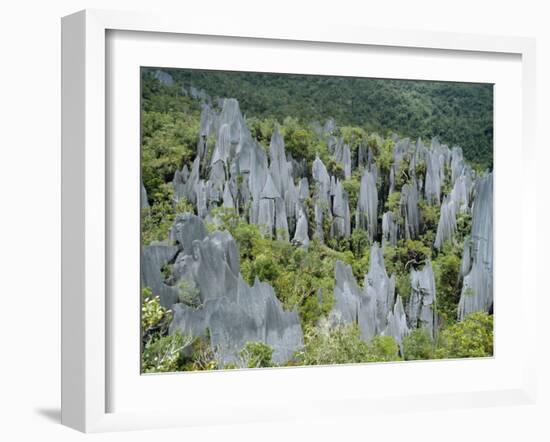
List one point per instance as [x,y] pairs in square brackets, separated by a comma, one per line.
[203,355]
[383,349]
[418,345]
[256,355]
[155,319]
[470,338]
[342,344]
[164,354]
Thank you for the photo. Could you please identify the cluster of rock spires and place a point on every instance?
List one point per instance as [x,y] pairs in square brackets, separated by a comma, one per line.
[271,189]
[209,298]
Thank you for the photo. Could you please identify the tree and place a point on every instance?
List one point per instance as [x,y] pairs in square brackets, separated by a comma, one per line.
[473,337]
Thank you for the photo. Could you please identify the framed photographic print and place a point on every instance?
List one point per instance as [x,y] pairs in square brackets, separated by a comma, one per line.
[291,223]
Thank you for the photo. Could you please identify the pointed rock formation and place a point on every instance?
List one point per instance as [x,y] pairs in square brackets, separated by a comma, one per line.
[382,287]
[409,210]
[301,236]
[421,308]
[154,258]
[390,229]
[367,204]
[144,201]
[397,324]
[477,289]
[214,300]
[446,228]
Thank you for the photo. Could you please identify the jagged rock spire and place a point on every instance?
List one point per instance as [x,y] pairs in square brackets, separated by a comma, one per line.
[367,204]
[421,308]
[477,290]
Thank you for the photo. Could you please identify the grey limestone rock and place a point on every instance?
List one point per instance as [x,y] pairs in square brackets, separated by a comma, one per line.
[340,210]
[434,170]
[397,324]
[186,229]
[229,311]
[144,201]
[367,204]
[421,307]
[390,229]
[457,163]
[477,290]
[301,235]
[347,295]
[446,227]
[164,77]
[153,259]
[409,210]
[400,151]
[382,286]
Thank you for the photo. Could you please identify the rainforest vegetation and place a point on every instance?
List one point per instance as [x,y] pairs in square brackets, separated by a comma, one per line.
[370,117]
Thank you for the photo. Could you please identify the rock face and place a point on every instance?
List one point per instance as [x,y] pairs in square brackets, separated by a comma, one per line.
[380,286]
[390,229]
[477,290]
[144,202]
[421,309]
[367,203]
[446,228]
[369,307]
[397,324]
[209,297]
[154,259]
[164,77]
[409,209]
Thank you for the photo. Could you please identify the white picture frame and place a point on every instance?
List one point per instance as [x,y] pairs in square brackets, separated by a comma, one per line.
[86,315]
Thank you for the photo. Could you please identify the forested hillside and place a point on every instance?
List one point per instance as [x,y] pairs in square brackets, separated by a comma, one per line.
[301,221]
[460,113]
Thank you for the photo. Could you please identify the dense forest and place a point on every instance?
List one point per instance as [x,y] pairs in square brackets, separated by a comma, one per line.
[305,220]
[459,113]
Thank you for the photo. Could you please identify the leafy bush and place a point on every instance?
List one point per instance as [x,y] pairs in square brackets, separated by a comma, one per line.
[472,337]
[342,344]
[164,354]
[203,356]
[447,282]
[418,345]
[155,319]
[256,355]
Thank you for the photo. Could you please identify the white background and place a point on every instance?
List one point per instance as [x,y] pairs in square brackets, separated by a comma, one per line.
[30,217]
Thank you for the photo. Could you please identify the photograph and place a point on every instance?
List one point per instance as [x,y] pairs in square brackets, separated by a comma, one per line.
[292,220]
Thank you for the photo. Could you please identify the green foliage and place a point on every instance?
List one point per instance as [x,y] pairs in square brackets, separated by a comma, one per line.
[406,255]
[352,187]
[157,220]
[168,140]
[472,337]
[297,275]
[430,215]
[257,355]
[325,345]
[188,294]
[447,281]
[393,203]
[459,113]
[384,349]
[384,156]
[155,319]
[164,354]
[418,345]
[203,356]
